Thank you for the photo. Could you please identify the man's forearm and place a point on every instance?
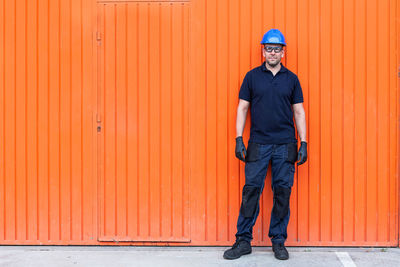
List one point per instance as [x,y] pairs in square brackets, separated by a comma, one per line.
[240,121]
[300,119]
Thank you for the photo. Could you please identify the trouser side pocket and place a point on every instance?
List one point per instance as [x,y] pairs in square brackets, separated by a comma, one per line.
[253,151]
[291,152]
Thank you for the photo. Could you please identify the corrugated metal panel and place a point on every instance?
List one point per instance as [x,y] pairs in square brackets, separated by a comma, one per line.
[46,160]
[144,157]
[347,193]
[344,52]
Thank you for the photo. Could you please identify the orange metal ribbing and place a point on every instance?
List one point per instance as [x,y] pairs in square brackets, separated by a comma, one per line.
[42,119]
[222,127]
[121,111]
[54,115]
[186,172]
[325,124]
[9,122]
[155,132]
[244,64]
[162,78]
[2,128]
[360,121]
[314,122]
[165,120]
[232,73]
[160,205]
[76,117]
[197,121]
[132,123]
[88,128]
[20,104]
[211,123]
[44,109]
[383,107]
[371,121]
[337,186]
[303,198]
[348,179]
[395,31]
[31,125]
[109,120]
[395,110]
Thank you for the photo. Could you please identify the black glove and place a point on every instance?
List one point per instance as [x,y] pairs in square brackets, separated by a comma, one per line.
[240,149]
[302,155]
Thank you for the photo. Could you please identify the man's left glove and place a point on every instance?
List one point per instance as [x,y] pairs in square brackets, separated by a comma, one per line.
[302,155]
[240,149]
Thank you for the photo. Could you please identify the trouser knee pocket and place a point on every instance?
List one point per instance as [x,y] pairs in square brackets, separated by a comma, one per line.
[250,197]
[281,201]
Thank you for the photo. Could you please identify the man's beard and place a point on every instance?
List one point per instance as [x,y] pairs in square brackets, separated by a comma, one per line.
[273,65]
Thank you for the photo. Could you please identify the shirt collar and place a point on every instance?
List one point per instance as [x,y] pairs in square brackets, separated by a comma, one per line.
[283,69]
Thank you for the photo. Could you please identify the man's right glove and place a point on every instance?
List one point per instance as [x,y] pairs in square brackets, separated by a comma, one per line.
[302,155]
[240,149]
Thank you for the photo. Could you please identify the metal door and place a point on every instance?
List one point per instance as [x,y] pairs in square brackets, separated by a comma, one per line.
[143,121]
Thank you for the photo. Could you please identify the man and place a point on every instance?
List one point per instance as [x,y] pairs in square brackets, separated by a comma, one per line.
[274,95]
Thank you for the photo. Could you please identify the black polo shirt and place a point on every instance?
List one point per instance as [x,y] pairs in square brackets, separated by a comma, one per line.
[271,98]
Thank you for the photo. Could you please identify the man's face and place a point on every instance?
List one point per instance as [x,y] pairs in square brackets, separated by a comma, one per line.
[272,56]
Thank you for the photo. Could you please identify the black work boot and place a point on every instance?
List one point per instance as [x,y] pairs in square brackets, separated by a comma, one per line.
[241,247]
[280,251]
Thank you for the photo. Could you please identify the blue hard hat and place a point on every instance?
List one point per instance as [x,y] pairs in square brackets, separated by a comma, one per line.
[273,36]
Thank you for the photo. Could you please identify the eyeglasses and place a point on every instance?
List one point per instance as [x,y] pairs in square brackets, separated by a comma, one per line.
[276,49]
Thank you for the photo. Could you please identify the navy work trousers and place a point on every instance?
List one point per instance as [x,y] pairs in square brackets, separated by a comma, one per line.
[282,158]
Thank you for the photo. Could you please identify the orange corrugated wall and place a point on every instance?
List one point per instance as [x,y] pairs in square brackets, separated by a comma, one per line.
[161,80]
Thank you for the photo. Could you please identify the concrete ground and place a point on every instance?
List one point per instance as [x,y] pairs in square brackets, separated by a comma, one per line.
[61,256]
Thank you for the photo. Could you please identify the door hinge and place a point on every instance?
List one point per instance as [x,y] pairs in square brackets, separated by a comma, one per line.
[98,36]
[98,120]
